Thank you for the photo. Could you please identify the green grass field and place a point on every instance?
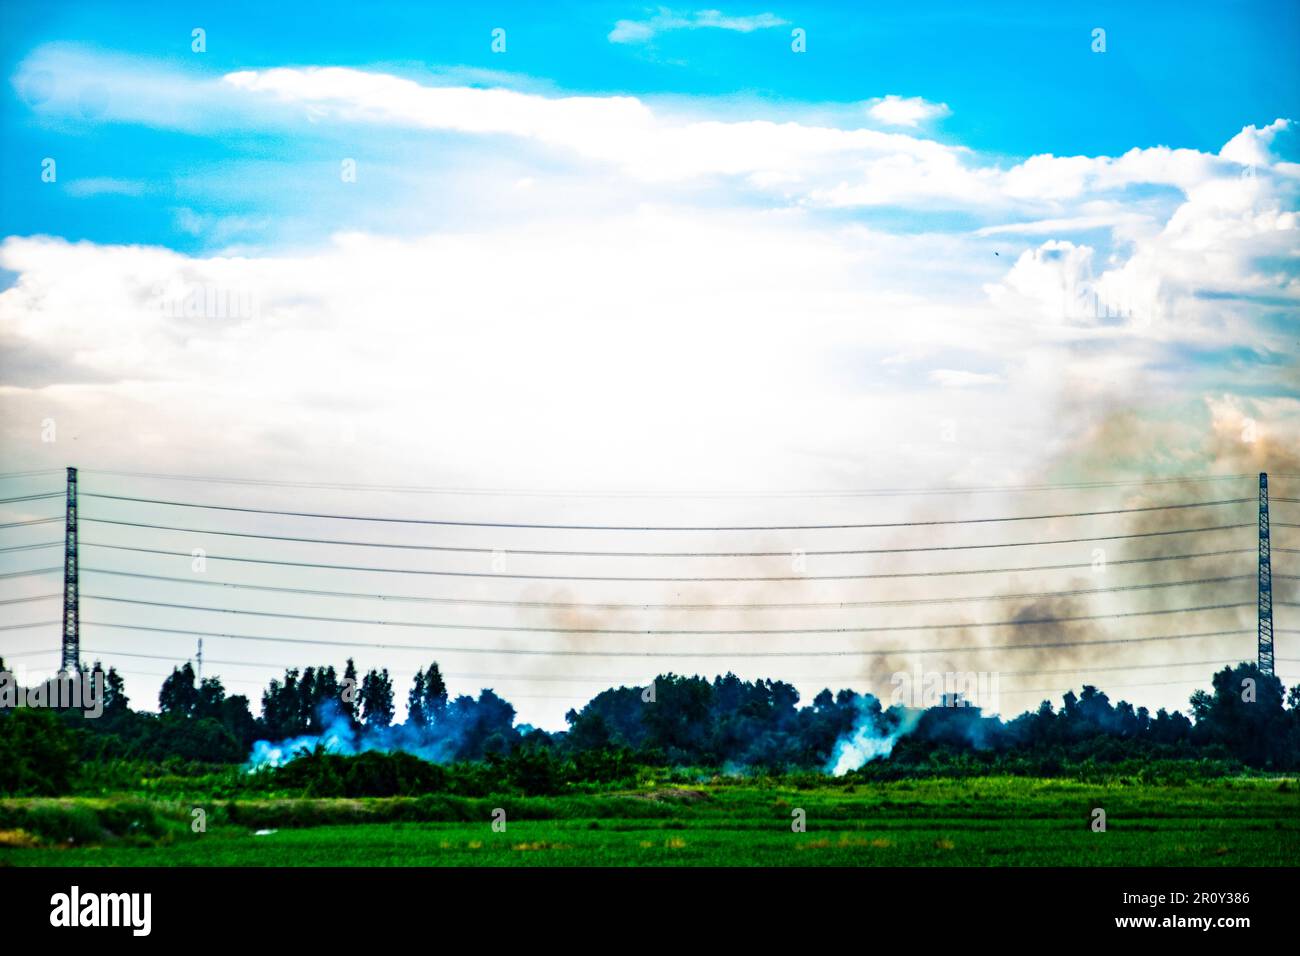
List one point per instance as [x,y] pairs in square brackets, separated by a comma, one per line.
[976,822]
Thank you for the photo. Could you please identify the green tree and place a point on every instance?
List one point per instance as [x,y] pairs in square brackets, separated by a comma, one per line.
[1246,715]
[435,694]
[209,698]
[115,700]
[327,692]
[237,718]
[178,697]
[415,714]
[349,696]
[306,705]
[377,700]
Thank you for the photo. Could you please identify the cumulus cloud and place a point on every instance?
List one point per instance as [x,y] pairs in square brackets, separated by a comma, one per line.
[895,110]
[822,165]
[1223,267]
[667,333]
[789,160]
[728,339]
[1253,146]
[1169,231]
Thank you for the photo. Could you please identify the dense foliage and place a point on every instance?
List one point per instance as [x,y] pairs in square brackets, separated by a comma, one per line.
[473,745]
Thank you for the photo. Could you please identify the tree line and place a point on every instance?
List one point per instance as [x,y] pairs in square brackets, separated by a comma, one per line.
[1247,719]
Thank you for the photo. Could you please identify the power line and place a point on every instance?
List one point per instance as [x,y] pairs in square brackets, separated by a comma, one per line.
[29,600]
[19,627]
[483,602]
[659,631]
[41,497]
[106,653]
[140,575]
[33,547]
[584,698]
[552,493]
[692,579]
[40,471]
[1056,690]
[24,574]
[784,554]
[526,652]
[650,554]
[29,522]
[442,522]
[257,684]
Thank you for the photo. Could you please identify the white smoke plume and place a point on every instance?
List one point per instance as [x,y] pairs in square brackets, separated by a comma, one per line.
[872,737]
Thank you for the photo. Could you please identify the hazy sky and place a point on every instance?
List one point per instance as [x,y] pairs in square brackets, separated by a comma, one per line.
[656,250]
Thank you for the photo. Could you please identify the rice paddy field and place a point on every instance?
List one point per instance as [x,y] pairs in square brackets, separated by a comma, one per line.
[999,821]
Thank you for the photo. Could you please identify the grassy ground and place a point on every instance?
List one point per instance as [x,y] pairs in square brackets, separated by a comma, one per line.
[980,822]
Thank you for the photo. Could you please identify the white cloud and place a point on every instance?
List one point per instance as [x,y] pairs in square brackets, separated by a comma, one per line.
[1211,240]
[1223,259]
[642,31]
[621,130]
[631,31]
[912,111]
[656,143]
[217,230]
[105,186]
[1116,216]
[1252,146]
[822,165]
[654,328]
[958,378]
[1054,178]
[925,178]
[1205,249]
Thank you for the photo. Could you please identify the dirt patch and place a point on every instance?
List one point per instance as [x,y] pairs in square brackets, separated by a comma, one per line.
[541,845]
[17,838]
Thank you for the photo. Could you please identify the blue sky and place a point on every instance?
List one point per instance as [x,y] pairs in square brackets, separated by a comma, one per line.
[645,248]
[1025,82]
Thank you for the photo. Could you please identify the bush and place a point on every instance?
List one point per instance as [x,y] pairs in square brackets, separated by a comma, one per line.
[64,823]
[37,754]
[533,771]
[369,774]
